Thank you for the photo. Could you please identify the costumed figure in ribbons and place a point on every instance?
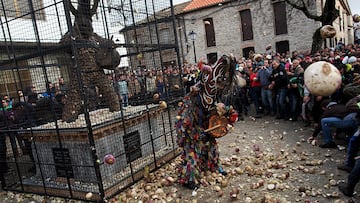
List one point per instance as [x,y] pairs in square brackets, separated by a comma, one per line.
[201,119]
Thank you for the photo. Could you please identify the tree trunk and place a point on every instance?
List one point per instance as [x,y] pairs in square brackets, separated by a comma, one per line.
[330,13]
[328,16]
[317,41]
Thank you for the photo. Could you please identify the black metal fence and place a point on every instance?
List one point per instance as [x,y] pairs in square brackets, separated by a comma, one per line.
[86,111]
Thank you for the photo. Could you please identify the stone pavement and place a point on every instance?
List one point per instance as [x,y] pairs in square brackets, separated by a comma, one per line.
[268,160]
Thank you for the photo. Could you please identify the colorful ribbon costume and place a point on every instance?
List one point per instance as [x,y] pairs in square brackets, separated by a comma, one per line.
[200,150]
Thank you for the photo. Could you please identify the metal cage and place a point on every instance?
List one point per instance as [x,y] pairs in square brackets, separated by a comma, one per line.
[69,126]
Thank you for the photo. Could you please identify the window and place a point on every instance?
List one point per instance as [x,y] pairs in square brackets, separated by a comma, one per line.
[280,18]
[212,58]
[210,32]
[20,8]
[282,47]
[246,25]
[10,82]
[247,50]
[332,42]
[343,22]
[164,36]
[340,28]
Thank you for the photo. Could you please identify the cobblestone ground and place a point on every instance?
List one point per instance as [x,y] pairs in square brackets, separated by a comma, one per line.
[267,160]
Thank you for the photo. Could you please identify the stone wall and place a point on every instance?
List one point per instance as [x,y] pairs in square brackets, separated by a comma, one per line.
[227,24]
[109,139]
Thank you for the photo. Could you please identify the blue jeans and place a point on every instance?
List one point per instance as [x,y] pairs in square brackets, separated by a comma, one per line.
[348,121]
[3,150]
[354,175]
[353,148]
[267,99]
[294,101]
[255,93]
[281,101]
[125,99]
[14,146]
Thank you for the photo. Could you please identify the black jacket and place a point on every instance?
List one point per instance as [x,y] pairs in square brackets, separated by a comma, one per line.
[280,77]
[335,110]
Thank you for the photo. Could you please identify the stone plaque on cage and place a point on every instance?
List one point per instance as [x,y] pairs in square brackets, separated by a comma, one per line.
[132,146]
[62,162]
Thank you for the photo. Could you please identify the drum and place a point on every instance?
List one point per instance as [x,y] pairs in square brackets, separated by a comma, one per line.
[217,126]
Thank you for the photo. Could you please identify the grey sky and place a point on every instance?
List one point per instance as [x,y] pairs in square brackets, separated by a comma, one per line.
[354,6]
[179,1]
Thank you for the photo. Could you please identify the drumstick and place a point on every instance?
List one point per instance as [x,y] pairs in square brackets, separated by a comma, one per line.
[212,128]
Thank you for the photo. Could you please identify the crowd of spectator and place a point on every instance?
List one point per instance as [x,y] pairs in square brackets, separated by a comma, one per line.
[140,87]
[273,86]
[21,112]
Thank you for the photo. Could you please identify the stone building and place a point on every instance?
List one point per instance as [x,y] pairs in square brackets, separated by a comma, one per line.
[232,27]
[151,42]
[344,24]
[237,27]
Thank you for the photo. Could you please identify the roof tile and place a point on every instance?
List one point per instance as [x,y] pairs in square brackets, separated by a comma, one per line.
[196,4]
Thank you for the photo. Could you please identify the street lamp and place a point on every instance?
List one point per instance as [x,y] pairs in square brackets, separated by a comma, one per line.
[192,36]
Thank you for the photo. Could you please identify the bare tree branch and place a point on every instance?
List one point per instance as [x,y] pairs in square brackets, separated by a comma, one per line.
[72,8]
[304,9]
[327,17]
[94,8]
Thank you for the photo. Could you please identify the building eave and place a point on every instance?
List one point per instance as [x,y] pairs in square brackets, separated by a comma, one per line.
[345,5]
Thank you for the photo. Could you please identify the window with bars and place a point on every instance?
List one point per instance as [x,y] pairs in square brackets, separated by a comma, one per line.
[9,81]
[165,36]
[21,9]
